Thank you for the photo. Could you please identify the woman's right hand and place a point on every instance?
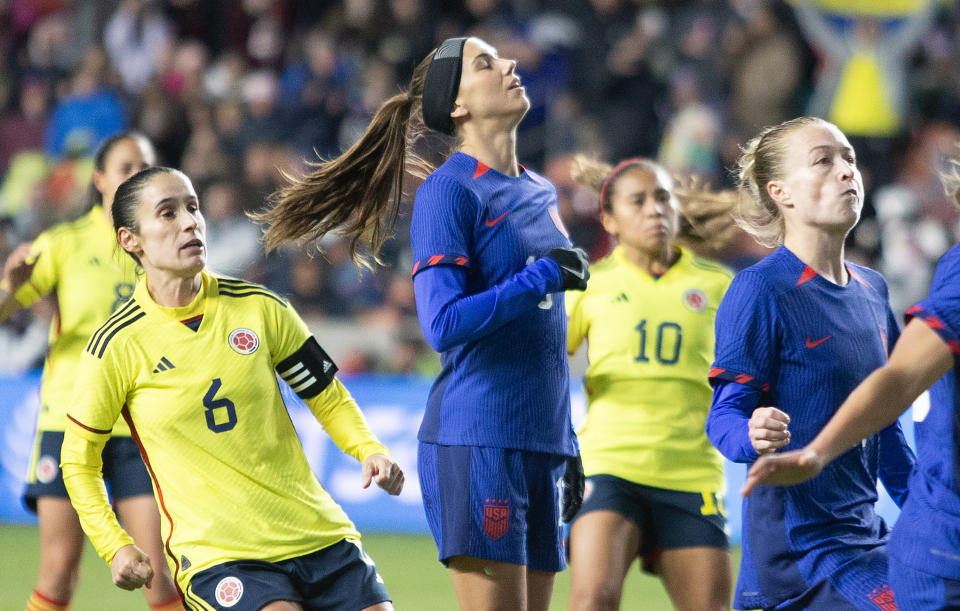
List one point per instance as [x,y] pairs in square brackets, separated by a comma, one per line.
[768,429]
[131,568]
[16,270]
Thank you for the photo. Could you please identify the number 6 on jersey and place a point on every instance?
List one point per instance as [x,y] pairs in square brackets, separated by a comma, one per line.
[211,405]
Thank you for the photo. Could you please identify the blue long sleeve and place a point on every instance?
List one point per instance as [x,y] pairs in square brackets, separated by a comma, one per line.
[896,462]
[727,422]
[449,317]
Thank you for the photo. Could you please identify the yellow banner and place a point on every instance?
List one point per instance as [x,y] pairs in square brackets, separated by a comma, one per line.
[873,8]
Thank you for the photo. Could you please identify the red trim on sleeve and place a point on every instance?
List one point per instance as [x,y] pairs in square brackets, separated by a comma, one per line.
[89,428]
[434,260]
[461,261]
[481,170]
[934,322]
[808,274]
[743,379]
[416,266]
[715,371]
[954,346]
[914,309]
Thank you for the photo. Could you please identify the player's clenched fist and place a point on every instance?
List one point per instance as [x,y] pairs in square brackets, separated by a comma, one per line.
[768,429]
[131,568]
[385,472]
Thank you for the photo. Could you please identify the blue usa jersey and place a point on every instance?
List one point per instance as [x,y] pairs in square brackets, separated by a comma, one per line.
[486,299]
[927,536]
[803,343]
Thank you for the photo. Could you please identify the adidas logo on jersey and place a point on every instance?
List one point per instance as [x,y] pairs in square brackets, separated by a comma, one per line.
[326,366]
[163,365]
[184,562]
[622,297]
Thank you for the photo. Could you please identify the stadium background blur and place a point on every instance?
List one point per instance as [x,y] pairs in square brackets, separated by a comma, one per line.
[234,91]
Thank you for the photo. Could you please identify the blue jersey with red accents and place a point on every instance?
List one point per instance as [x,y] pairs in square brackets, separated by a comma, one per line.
[927,536]
[802,343]
[487,300]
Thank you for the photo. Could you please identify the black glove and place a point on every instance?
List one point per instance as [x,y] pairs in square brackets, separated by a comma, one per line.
[573,264]
[572,488]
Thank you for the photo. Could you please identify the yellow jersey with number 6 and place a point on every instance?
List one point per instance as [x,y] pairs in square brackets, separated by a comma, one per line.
[650,343]
[80,262]
[204,406]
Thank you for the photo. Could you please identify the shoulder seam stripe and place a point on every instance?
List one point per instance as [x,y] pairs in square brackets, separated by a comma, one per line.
[237,283]
[248,292]
[107,339]
[124,311]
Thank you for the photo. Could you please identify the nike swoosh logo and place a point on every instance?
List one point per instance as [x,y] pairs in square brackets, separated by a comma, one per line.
[818,342]
[492,222]
[577,273]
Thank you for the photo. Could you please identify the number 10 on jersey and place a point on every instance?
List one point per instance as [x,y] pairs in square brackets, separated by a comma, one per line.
[669,337]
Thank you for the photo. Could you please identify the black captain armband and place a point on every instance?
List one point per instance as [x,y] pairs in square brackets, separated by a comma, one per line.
[308,370]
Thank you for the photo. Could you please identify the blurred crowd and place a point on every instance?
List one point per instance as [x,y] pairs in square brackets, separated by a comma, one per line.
[238,92]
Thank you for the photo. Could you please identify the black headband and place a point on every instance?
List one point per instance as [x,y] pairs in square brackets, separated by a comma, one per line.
[441,85]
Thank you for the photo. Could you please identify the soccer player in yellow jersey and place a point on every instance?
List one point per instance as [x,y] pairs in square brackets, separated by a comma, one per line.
[191,364]
[654,482]
[80,263]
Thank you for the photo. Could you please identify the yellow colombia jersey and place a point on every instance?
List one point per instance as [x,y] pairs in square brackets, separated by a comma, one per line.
[92,278]
[228,470]
[650,344]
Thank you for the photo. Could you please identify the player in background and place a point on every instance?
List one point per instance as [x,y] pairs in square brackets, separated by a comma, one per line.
[924,547]
[190,362]
[654,483]
[490,253]
[796,333]
[80,263]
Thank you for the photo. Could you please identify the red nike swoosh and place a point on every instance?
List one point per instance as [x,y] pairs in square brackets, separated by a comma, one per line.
[492,222]
[818,342]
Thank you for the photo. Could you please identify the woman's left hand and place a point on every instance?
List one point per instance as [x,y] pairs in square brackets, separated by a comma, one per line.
[385,472]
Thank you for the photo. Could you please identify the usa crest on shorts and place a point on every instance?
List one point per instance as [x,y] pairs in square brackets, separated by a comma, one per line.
[496,517]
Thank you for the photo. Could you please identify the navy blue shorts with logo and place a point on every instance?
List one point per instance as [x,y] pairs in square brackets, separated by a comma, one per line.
[123,469]
[668,519]
[341,576]
[493,503]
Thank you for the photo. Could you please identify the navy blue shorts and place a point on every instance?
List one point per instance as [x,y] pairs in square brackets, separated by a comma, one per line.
[493,503]
[123,469]
[341,576]
[859,585]
[667,519]
[922,591]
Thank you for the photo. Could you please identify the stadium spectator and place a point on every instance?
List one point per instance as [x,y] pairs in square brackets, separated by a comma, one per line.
[77,261]
[217,344]
[88,114]
[656,483]
[795,333]
[487,475]
[924,566]
[862,86]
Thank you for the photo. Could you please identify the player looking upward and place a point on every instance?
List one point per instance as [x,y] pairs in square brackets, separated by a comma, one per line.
[924,548]
[654,482]
[796,333]
[79,262]
[490,253]
[190,362]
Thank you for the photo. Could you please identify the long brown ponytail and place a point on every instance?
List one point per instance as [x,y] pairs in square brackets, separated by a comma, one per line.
[357,193]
